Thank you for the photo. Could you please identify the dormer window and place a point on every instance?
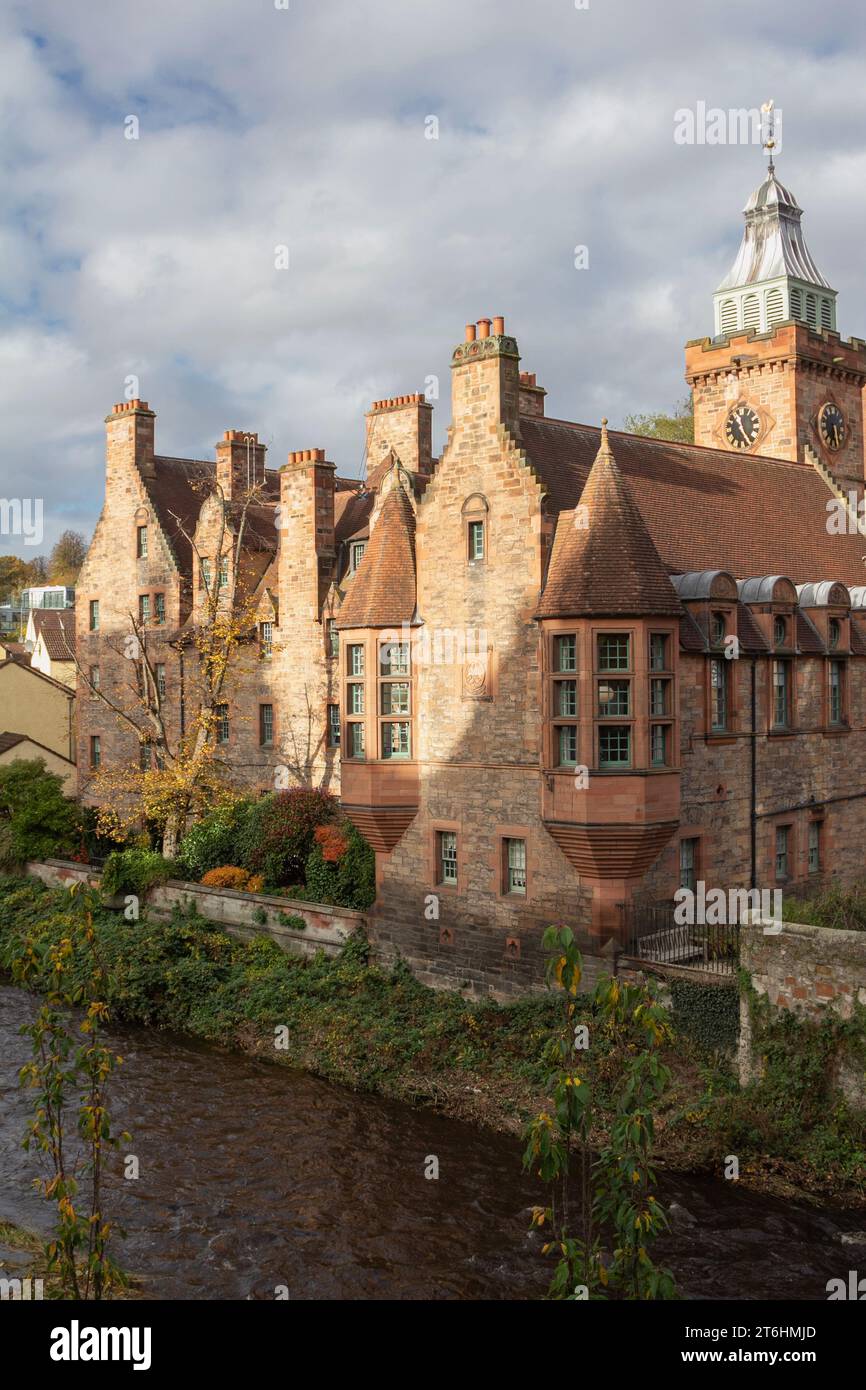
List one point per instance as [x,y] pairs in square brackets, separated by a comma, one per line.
[780,632]
[834,633]
[356,554]
[718,629]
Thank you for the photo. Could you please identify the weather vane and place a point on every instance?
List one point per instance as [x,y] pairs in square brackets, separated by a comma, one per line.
[768,129]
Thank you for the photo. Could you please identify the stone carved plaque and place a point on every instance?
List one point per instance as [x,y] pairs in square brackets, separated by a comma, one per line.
[476,677]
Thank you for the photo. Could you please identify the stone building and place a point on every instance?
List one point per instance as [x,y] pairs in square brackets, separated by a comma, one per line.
[557,669]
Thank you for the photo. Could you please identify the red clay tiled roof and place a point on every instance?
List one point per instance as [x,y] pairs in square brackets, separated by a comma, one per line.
[858,635]
[603,561]
[749,635]
[56,627]
[707,508]
[382,592]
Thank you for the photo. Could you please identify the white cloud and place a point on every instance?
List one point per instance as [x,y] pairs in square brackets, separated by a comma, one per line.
[306,127]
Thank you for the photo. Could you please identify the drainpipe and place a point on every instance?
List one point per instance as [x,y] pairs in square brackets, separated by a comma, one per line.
[753,795]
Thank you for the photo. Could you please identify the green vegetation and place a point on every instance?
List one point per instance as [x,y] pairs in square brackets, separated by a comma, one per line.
[67,1075]
[135,871]
[381,1030]
[708,1014]
[679,426]
[618,1214]
[36,820]
[841,908]
[296,843]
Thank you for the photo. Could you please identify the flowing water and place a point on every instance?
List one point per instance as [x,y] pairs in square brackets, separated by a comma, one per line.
[253,1176]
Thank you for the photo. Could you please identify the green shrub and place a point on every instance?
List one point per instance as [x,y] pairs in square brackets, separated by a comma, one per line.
[36,820]
[349,883]
[212,842]
[135,871]
[276,836]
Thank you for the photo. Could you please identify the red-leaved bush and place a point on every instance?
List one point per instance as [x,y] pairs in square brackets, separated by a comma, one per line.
[278,834]
[332,842]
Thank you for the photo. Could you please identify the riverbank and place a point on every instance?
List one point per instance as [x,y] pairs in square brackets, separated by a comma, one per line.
[382,1031]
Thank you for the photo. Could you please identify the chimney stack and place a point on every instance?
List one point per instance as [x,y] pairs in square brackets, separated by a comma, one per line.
[485,378]
[240,463]
[129,439]
[531,395]
[404,424]
[307,542]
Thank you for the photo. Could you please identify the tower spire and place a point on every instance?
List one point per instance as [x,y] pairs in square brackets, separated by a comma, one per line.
[774,277]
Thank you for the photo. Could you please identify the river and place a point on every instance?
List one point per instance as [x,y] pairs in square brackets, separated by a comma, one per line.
[254,1177]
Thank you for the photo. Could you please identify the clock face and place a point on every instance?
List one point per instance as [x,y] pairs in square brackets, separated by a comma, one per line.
[742,427]
[831,425]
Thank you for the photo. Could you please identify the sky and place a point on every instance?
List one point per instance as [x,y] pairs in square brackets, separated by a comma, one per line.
[419,164]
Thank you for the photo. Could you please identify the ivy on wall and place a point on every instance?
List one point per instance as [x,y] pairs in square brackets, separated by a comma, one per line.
[709,1014]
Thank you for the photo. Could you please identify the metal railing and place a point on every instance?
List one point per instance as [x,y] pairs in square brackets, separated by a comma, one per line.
[651,934]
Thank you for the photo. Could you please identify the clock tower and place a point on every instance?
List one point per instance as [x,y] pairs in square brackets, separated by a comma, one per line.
[776,378]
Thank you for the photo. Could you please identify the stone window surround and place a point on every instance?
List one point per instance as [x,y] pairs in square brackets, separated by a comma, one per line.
[272,741]
[702,856]
[498,862]
[781,822]
[475,508]
[586,632]
[431,856]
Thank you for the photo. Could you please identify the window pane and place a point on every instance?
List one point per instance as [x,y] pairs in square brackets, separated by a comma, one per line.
[447,857]
[688,860]
[160,607]
[356,660]
[356,740]
[394,659]
[334,726]
[781,851]
[266,723]
[659,697]
[355,700]
[780,693]
[658,651]
[719,690]
[835,692]
[395,697]
[659,745]
[395,740]
[267,638]
[476,540]
[222,723]
[567,744]
[814,846]
[614,697]
[566,698]
[515,866]
[614,746]
[613,652]
[565,654]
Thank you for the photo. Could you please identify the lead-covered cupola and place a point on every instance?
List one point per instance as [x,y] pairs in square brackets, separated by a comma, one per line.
[773,277]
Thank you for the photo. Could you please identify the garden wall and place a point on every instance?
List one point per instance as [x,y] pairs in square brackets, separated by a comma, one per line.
[807,971]
[244,915]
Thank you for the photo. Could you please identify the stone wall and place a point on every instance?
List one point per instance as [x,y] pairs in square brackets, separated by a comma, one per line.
[807,971]
[326,929]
